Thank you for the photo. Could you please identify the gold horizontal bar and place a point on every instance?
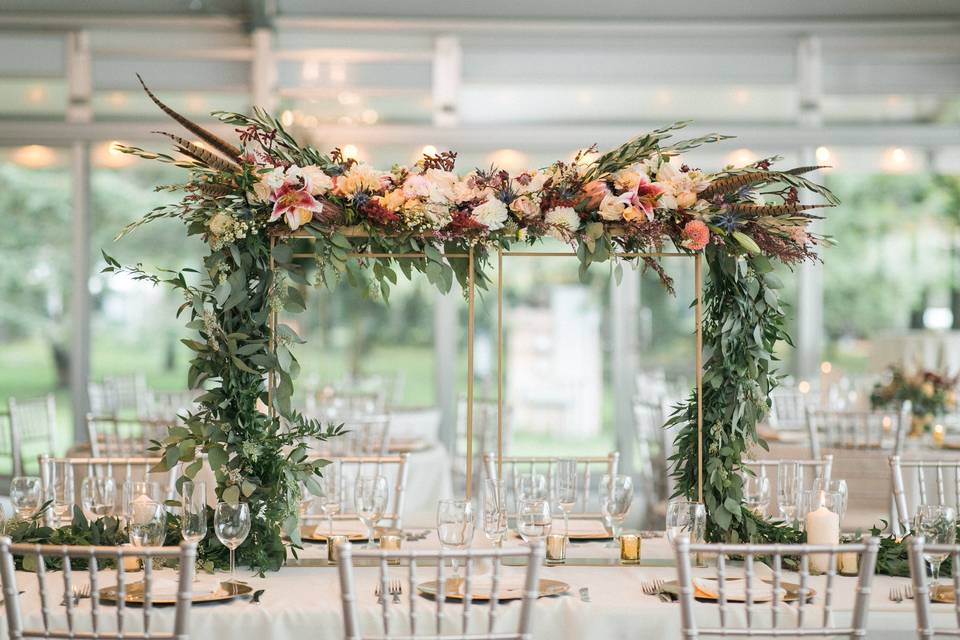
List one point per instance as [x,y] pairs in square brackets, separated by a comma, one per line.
[386,255]
[660,254]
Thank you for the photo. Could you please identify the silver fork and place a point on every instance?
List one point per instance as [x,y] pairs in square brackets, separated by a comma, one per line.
[378,593]
[908,591]
[896,595]
[395,589]
[83,591]
[584,594]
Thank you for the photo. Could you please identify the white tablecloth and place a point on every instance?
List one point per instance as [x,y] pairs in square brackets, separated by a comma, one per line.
[304,602]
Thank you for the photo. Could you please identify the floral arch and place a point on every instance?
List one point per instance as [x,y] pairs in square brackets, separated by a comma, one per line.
[638,198]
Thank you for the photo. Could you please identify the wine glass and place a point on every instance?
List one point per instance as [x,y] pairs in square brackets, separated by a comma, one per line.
[193,514]
[98,496]
[616,496]
[534,520]
[838,487]
[530,486]
[938,525]
[494,511]
[756,493]
[370,501]
[330,493]
[231,522]
[685,517]
[455,525]
[148,523]
[25,495]
[61,489]
[565,488]
[788,490]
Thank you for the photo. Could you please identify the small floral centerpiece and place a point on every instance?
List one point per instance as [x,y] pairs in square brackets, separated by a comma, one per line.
[930,394]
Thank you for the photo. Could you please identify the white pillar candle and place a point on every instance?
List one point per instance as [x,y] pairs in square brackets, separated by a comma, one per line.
[823,527]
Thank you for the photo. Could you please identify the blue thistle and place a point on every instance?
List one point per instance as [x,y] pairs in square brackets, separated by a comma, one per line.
[728,221]
[360,198]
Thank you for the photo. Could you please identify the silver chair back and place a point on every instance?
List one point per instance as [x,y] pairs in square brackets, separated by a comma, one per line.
[811,617]
[788,410]
[810,471]
[120,469]
[394,468]
[365,435]
[923,482]
[33,425]
[168,405]
[883,430]
[921,587]
[484,437]
[587,468]
[111,436]
[440,622]
[98,622]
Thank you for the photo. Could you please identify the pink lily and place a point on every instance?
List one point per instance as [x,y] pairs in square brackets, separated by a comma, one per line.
[296,204]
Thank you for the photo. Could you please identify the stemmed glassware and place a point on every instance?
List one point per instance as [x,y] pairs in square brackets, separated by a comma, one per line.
[455,524]
[148,523]
[98,496]
[756,493]
[494,511]
[61,489]
[616,496]
[530,486]
[193,516]
[330,493]
[138,491]
[25,495]
[370,501]
[838,487]
[788,490]
[534,520]
[688,518]
[565,488]
[938,525]
[231,522]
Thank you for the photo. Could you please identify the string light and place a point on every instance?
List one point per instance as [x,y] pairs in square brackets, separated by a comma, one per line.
[823,155]
[37,94]
[741,157]
[34,156]
[350,151]
[826,367]
[509,159]
[897,160]
[428,150]
[369,116]
[286,118]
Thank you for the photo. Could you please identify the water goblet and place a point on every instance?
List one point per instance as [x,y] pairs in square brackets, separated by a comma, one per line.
[494,511]
[788,490]
[455,526]
[686,518]
[370,501]
[330,497]
[25,495]
[530,486]
[193,514]
[61,489]
[231,522]
[938,525]
[565,488]
[838,487]
[98,496]
[616,496]
[534,520]
[756,493]
[148,523]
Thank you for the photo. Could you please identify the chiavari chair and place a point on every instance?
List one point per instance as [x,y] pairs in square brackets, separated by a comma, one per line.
[97,622]
[759,603]
[33,425]
[436,620]
[841,429]
[922,482]
[112,436]
[393,468]
[921,588]
[588,467]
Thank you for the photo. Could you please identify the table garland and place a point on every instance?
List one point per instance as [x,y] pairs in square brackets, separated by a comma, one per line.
[638,198]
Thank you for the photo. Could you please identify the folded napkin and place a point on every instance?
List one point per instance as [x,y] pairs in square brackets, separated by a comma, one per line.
[511,584]
[735,590]
[166,586]
[341,528]
[580,527]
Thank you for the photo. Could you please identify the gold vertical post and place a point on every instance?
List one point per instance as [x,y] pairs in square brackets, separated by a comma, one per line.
[698,283]
[499,363]
[273,335]
[470,328]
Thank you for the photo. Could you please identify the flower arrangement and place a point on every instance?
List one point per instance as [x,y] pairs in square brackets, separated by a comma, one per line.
[930,394]
[253,202]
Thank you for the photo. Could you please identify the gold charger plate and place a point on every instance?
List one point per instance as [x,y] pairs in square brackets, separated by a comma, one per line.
[574,537]
[792,591]
[407,446]
[322,537]
[943,593]
[135,594]
[452,589]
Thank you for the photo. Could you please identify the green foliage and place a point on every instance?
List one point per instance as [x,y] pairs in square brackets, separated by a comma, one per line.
[743,320]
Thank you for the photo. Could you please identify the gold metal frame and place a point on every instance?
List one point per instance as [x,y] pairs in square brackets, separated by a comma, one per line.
[698,279]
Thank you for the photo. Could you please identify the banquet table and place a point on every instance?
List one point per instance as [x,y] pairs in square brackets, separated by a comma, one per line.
[304,601]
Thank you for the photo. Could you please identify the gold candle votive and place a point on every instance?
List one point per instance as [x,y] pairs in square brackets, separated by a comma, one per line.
[629,548]
[333,553]
[130,564]
[391,542]
[556,548]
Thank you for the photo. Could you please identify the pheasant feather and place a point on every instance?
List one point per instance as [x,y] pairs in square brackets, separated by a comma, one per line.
[750,178]
[215,190]
[772,209]
[200,154]
[214,141]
